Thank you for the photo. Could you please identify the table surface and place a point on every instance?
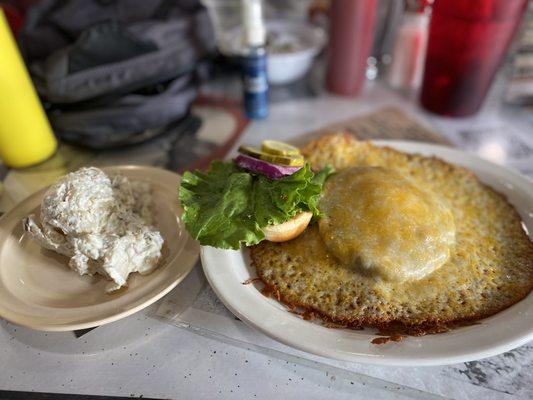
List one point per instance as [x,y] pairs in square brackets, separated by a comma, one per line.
[140,355]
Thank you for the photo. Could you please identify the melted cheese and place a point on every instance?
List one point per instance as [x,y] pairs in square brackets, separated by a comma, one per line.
[383,224]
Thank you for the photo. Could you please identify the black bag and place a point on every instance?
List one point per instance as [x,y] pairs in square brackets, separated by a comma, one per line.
[116,67]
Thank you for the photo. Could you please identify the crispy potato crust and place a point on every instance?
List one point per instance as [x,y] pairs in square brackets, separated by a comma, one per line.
[491,267]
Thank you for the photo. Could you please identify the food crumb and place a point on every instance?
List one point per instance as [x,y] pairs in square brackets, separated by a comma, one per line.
[387,339]
[251,280]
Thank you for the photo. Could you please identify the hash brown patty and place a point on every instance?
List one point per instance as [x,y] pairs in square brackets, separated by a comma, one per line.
[490,269]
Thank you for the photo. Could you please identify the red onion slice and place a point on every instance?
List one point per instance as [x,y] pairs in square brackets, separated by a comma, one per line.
[271,171]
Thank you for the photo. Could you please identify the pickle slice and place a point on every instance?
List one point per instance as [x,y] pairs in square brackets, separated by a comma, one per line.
[290,161]
[279,148]
[250,151]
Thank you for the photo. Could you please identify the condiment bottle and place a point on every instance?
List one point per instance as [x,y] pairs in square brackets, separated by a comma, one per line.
[351,36]
[25,134]
[254,66]
[407,67]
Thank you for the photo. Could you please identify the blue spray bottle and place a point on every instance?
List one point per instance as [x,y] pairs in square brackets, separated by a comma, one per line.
[254,76]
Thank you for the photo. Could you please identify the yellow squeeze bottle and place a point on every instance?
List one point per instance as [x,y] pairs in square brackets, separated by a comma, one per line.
[25,134]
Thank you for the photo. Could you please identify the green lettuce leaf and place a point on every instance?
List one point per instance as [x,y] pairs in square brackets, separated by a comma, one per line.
[229,206]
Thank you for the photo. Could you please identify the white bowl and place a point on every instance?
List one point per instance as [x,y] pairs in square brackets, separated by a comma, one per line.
[283,68]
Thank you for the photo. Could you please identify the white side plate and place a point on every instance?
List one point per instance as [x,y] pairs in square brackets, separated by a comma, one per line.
[38,290]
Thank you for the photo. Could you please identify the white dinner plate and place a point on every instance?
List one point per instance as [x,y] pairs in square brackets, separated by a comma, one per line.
[227,270]
[38,290]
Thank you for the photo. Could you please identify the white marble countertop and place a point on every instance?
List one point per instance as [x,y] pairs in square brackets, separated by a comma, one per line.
[143,356]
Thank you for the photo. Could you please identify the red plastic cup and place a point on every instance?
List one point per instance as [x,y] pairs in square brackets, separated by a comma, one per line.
[467,42]
[351,36]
